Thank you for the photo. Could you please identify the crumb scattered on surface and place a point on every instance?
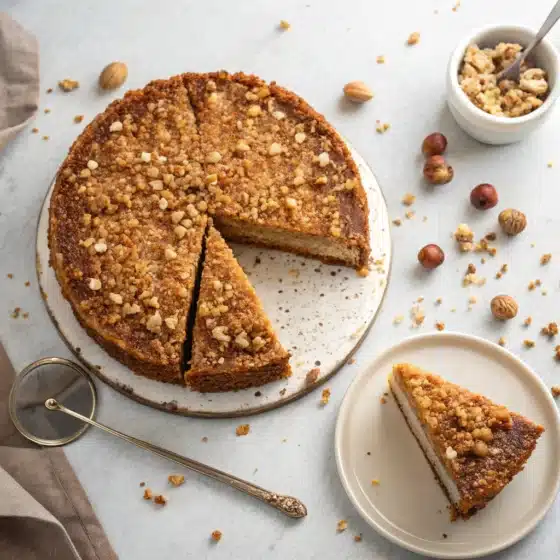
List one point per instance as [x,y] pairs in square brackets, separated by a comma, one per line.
[160,500]
[439,301]
[472,300]
[444,535]
[47,111]
[50,90]
[204,439]
[68,84]
[549,164]
[27,284]
[312,376]
[35,130]
[544,292]
[555,391]
[142,484]
[375,482]
[357,538]
[383,400]
[550,330]
[284,25]
[382,127]
[46,138]
[408,199]
[410,214]
[147,494]
[15,313]
[325,396]
[342,525]
[528,343]
[25,315]
[78,119]
[440,326]
[528,321]
[502,341]
[351,361]
[545,259]
[216,535]
[413,38]
[398,319]
[397,222]
[9,275]
[417,314]
[380,59]
[176,479]
[242,429]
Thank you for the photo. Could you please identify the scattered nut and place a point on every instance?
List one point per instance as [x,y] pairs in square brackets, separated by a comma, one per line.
[341,526]
[113,75]
[512,221]
[504,307]
[68,84]
[431,256]
[176,479]
[545,259]
[436,171]
[216,535]
[434,144]
[160,500]
[484,196]
[147,494]
[358,92]
[413,38]
[550,330]
[242,429]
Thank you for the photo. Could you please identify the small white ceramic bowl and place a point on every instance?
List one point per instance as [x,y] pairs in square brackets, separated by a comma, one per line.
[491,129]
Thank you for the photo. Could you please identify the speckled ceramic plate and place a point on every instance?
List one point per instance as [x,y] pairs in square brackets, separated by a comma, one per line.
[408,507]
[321,314]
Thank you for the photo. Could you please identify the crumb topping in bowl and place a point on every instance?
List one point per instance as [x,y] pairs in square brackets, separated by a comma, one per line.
[506,98]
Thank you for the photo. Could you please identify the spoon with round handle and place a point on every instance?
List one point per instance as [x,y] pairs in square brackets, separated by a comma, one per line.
[513,71]
[288,505]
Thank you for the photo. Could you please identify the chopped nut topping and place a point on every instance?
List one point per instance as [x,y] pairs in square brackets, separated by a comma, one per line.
[176,479]
[94,284]
[545,259]
[300,137]
[550,330]
[153,324]
[275,149]
[116,126]
[68,84]
[160,500]
[116,298]
[213,157]
[242,430]
[324,159]
[147,494]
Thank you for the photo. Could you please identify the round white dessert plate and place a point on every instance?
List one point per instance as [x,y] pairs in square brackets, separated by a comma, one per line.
[321,313]
[408,507]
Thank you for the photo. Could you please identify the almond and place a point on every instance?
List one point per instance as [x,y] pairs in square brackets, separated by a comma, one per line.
[113,76]
[358,92]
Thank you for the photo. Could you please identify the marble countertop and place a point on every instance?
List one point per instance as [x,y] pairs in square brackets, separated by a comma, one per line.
[291,449]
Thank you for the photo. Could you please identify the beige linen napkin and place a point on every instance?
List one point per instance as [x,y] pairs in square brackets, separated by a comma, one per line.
[44,511]
[19,78]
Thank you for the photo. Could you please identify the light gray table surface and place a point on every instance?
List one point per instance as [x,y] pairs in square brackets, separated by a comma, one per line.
[291,449]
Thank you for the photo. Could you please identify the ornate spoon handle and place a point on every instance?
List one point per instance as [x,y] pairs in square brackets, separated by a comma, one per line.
[288,505]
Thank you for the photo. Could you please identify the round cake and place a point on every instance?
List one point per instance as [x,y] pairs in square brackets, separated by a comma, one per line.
[196,156]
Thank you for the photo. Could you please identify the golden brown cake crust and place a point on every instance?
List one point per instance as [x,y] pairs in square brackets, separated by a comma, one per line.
[234,345]
[482,445]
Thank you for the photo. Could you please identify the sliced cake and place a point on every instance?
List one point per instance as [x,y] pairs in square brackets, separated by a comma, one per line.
[474,446]
[279,175]
[127,221]
[233,344]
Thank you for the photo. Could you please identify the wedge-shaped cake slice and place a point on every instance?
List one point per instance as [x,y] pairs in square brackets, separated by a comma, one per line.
[475,447]
[233,344]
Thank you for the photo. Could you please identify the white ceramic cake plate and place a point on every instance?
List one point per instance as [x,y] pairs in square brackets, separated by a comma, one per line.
[320,312]
[408,507]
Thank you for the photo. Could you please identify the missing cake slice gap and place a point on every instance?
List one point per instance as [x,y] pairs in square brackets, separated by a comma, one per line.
[474,446]
[233,343]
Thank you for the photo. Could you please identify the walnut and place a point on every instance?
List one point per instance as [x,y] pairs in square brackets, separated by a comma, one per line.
[504,307]
[176,479]
[512,221]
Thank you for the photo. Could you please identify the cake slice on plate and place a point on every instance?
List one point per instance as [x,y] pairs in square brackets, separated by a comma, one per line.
[233,344]
[474,446]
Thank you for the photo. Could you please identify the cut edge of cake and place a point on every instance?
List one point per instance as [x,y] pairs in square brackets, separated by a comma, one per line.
[219,330]
[474,451]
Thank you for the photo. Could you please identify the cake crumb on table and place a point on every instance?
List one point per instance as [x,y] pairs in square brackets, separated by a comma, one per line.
[9,276]
[398,319]
[176,479]
[284,25]
[557,350]
[216,535]
[410,214]
[46,138]
[358,538]
[142,484]
[439,301]
[147,494]
[160,500]
[27,284]
[68,84]
[413,38]
[550,330]
[528,321]
[78,119]
[408,199]
[383,400]
[528,343]
[545,259]
[375,482]
[242,429]
[325,396]
[380,59]
[397,222]
[381,128]
[502,341]
[440,326]
[341,526]
[555,391]
[50,90]
[204,439]
[35,130]
[312,376]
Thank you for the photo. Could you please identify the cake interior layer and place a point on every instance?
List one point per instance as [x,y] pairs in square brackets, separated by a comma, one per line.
[214,382]
[329,250]
[423,441]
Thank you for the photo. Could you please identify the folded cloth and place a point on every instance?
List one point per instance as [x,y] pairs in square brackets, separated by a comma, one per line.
[44,511]
[19,78]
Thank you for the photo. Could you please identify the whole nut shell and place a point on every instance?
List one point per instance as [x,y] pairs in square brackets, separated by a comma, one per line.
[436,171]
[358,92]
[484,196]
[512,221]
[434,144]
[431,256]
[504,307]
[113,76]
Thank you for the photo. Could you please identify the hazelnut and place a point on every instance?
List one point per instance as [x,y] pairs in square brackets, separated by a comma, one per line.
[434,144]
[431,256]
[436,171]
[504,307]
[512,221]
[484,196]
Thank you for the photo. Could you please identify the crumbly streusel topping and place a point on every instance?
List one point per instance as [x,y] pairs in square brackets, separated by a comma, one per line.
[483,444]
[231,328]
[478,79]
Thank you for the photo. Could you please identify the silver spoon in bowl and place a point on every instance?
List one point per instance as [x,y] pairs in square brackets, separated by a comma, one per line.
[513,72]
